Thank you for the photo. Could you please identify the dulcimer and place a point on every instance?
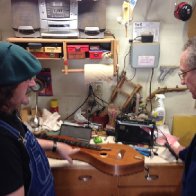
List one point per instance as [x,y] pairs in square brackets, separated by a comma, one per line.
[111,158]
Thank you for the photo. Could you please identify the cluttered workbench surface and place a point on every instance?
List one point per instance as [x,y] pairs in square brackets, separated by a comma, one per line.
[141,137]
[161,155]
[159,174]
[127,155]
[121,161]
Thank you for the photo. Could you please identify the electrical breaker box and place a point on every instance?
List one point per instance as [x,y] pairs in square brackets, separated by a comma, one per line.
[145,55]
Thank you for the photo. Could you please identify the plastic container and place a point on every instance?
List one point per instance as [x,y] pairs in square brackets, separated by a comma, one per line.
[158,114]
[54,106]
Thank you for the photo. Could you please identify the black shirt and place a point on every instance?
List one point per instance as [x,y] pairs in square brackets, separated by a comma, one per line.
[14,164]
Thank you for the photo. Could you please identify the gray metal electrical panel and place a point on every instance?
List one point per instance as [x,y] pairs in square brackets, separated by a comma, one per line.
[145,55]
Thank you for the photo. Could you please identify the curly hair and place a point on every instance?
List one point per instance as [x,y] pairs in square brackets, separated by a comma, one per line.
[190,46]
[6,93]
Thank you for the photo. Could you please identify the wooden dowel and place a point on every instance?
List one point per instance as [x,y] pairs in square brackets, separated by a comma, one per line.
[75,70]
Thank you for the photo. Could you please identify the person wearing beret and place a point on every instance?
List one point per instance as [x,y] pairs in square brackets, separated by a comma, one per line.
[24,167]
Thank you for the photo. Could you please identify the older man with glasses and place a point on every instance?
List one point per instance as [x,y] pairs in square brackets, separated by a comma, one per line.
[188,66]
[188,155]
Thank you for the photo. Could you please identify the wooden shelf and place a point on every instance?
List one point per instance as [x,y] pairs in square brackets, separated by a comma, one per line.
[44,40]
[110,40]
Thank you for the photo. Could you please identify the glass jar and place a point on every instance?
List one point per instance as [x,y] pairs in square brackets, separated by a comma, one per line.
[54,106]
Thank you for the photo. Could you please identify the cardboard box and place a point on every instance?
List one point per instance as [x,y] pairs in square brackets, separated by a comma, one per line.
[94,47]
[76,55]
[95,54]
[184,127]
[77,48]
[53,49]
[36,49]
[45,55]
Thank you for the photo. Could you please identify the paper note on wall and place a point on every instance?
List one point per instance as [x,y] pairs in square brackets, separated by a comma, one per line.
[146,61]
[149,28]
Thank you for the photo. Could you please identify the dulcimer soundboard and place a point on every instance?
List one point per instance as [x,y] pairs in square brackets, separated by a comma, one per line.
[111,158]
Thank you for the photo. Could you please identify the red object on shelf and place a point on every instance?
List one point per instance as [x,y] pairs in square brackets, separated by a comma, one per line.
[77,48]
[45,55]
[76,55]
[95,54]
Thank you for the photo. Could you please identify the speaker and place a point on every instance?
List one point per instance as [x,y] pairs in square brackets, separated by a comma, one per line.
[183,11]
[25,18]
[91,18]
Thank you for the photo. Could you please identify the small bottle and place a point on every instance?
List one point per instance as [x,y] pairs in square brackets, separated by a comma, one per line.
[54,106]
[159,112]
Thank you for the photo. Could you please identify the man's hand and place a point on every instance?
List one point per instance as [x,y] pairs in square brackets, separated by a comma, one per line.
[65,151]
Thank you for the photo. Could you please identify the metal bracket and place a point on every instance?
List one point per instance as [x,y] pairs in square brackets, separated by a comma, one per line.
[165,70]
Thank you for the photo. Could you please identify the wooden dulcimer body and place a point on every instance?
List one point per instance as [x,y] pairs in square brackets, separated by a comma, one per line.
[114,159]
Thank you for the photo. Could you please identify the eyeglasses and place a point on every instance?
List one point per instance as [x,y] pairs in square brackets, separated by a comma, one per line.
[182,74]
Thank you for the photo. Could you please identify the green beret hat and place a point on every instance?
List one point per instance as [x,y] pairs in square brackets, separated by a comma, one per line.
[16,64]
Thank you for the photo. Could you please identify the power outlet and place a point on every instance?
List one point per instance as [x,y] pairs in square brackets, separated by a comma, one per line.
[98,89]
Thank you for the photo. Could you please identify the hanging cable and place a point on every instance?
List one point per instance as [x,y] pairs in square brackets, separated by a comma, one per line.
[77,108]
[129,52]
[150,89]
[90,94]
